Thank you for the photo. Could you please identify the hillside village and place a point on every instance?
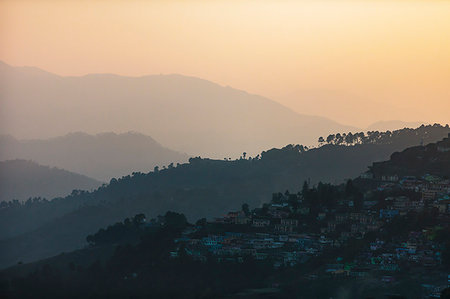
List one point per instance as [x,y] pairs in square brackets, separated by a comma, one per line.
[382,222]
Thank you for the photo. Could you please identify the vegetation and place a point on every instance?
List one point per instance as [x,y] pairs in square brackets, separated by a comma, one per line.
[423,134]
[198,188]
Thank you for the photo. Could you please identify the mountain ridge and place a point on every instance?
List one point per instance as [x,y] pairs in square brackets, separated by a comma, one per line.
[187,114]
[101,156]
[23,179]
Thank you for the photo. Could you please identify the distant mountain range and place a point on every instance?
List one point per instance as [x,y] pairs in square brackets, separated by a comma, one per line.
[187,114]
[101,156]
[200,188]
[391,125]
[22,179]
[361,111]
[339,105]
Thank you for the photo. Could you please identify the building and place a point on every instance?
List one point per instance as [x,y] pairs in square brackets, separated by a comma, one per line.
[260,222]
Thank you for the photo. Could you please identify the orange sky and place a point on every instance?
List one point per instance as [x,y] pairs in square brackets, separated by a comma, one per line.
[396,53]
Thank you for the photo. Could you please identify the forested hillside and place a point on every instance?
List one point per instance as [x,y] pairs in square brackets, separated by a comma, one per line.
[202,187]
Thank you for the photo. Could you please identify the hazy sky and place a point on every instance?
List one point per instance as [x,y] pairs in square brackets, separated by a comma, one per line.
[394,53]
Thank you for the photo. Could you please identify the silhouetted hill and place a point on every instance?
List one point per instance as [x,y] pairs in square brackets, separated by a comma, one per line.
[434,159]
[184,113]
[101,156]
[22,179]
[202,187]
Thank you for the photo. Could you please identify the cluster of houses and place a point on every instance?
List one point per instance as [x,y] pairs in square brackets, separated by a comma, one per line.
[278,235]
[278,249]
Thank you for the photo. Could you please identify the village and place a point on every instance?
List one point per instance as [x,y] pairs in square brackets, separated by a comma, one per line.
[289,231]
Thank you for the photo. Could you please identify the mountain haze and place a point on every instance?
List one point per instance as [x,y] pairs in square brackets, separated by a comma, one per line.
[102,156]
[184,113]
[21,179]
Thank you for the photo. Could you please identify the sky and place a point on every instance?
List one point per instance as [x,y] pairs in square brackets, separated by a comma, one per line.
[353,61]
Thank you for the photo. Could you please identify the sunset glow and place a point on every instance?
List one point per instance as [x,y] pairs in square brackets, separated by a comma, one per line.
[395,53]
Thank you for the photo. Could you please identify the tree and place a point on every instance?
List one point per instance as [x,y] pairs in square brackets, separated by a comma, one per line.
[349,138]
[245,209]
[90,239]
[349,189]
[330,138]
[201,222]
[305,189]
[139,219]
[293,201]
[175,220]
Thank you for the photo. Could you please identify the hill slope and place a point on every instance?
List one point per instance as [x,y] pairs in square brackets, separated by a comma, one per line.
[101,156]
[203,187]
[21,179]
[184,113]
[434,158]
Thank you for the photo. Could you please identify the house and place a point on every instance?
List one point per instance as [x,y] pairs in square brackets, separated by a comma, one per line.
[376,245]
[356,216]
[367,175]
[416,205]
[334,269]
[321,216]
[390,267]
[286,225]
[359,272]
[260,222]
[345,235]
[388,214]
[387,279]
[389,178]
[440,186]
[262,243]
[358,228]
[411,183]
[442,205]
[283,238]
[369,203]
[401,203]
[305,242]
[304,210]
[237,218]
[365,219]
[212,240]
[331,226]
[277,212]
[428,195]
[374,225]
[341,218]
